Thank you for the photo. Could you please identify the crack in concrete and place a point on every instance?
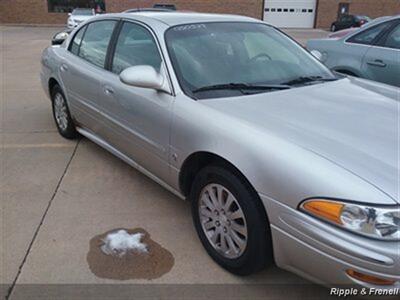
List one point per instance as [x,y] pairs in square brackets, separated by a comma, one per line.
[11,288]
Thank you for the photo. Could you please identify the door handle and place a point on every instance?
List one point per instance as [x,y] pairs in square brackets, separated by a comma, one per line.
[376,63]
[64,68]
[108,90]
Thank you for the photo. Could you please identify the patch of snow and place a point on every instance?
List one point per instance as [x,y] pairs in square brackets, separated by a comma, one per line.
[118,243]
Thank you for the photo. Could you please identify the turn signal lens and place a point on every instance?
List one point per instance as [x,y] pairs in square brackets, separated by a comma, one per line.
[324,209]
[379,222]
[369,278]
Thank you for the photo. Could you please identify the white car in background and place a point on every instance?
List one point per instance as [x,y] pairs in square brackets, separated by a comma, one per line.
[79,15]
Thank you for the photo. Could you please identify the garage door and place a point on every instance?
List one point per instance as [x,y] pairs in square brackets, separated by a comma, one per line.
[290,13]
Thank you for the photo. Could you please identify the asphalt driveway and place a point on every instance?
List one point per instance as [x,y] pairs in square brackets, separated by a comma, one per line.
[56,194]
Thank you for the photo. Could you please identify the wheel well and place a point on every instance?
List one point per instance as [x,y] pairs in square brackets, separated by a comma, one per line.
[197,161]
[52,84]
[346,72]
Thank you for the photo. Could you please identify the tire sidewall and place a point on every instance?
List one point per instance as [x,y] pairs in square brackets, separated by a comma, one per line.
[256,220]
[70,132]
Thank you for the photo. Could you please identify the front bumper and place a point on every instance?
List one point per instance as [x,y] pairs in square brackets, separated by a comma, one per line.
[322,252]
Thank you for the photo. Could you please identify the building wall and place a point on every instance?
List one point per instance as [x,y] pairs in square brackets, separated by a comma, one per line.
[36,12]
[29,12]
[328,9]
[252,8]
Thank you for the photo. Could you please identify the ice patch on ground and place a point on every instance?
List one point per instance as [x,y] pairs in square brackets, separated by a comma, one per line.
[118,243]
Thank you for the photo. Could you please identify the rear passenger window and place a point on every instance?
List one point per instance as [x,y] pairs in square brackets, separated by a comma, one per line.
[95,42]
[367,37]
[76,42]
[135,46]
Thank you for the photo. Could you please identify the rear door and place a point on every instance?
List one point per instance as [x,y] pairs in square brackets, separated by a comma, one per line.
[82,70]
[382,61]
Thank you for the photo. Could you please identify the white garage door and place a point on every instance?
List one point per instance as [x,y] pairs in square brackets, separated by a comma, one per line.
[290,13]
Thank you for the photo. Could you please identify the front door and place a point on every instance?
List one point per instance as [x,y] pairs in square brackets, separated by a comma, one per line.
[138,119]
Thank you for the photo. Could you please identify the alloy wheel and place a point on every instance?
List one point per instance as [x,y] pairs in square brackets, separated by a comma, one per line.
[60,112]
[223,221]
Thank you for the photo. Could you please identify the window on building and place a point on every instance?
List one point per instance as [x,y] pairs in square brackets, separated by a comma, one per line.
[66,6]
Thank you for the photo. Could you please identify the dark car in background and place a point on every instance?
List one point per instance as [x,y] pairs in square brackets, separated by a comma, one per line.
[348,21]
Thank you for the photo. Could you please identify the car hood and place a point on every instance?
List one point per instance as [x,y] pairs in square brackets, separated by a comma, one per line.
[81,18]
[353,123]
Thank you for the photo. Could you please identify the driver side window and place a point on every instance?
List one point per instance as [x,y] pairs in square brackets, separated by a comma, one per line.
[135,46]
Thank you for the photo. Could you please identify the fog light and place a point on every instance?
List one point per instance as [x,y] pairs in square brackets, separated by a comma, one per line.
[368,278]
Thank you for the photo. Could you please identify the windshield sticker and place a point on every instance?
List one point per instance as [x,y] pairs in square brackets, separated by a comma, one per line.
[190,27]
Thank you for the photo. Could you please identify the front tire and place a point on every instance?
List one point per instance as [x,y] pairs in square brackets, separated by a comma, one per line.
[62,115]
[231,221]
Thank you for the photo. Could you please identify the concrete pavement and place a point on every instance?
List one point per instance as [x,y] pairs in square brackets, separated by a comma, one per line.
[57,194]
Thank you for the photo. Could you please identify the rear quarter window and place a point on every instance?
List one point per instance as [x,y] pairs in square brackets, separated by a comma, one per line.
[76,42]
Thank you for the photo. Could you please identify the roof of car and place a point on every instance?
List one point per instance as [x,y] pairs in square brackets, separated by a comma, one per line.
[178,18]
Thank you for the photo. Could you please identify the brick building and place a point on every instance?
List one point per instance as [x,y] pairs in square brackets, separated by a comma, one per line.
[282,13]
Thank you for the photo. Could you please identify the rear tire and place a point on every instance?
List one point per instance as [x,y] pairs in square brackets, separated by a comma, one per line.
[243,220]
[62,115]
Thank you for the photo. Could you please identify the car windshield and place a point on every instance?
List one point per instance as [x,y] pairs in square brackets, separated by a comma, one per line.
[228,59]
[82,12]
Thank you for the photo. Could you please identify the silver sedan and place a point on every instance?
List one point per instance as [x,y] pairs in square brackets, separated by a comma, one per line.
[373,52]
[281,160]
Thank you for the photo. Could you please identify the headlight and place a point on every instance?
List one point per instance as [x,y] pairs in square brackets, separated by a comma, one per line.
[379,222]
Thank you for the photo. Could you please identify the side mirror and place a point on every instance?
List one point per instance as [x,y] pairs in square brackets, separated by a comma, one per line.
[144,77]
[69,14]
[318,55]
[59,38]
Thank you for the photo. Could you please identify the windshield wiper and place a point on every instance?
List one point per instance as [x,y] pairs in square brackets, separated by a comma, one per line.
[242,86]
[308,79]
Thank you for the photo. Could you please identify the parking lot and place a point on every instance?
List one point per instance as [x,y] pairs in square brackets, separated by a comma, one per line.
[56,195]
